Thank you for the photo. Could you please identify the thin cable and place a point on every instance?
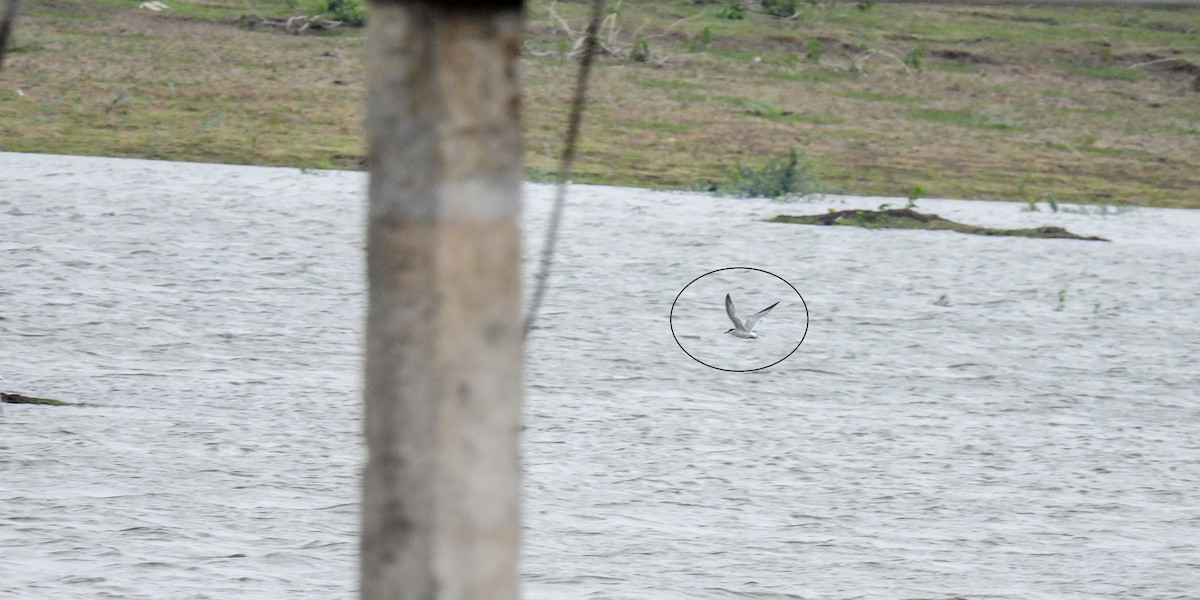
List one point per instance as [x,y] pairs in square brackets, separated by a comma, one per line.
[568,158]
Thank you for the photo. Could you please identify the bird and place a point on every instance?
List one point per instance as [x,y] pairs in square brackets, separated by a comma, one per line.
[745,330]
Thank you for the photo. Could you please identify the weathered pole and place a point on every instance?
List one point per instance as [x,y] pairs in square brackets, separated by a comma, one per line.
[444,339]
[8,20]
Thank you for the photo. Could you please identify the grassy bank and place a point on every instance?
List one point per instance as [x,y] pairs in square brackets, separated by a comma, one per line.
[1074,105]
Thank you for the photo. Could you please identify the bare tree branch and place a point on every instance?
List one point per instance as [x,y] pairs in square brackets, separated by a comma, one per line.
[561,22]
[1180,59]
[862,58]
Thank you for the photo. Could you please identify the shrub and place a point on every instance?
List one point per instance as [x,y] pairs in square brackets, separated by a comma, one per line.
[764,108]
[813,49]
[640,52]
[780,8]
[913,195]
[780,177]
[914,57]
[732,11]
[350,12]
[703,40]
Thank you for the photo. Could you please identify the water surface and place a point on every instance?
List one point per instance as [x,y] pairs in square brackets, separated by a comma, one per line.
[1037,437]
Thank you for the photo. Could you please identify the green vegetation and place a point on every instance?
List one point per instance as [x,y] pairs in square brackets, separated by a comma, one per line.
[913,195]
[1110,72]
[640,51]
[781,8]
[915,58]
[779,178]
[812,50]
[1087,106]
[904,218]
[350,12]
[732,11]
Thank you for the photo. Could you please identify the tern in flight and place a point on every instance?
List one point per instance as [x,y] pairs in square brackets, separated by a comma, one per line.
[745,330]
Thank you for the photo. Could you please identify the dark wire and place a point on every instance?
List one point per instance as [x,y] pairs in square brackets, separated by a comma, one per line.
[568,158]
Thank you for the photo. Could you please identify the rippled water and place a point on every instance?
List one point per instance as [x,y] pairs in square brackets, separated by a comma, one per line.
[1038,437]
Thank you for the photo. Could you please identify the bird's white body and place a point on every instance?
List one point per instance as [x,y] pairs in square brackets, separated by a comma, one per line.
[745,330]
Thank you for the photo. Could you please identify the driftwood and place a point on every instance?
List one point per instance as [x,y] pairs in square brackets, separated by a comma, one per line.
[299,25]
[906,218]
[13,398]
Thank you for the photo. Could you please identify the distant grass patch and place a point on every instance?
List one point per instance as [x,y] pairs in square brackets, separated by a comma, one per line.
[816,75]
[735,101]
[1109,72]
[954,67]
[661,126]
[824,118]
[763,107]
[879,96]
[668,84]
[1108,151]
[24,44]
[541,175]
[963,118]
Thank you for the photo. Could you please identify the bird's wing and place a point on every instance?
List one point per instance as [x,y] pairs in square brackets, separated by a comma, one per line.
[753,320]
[737,323]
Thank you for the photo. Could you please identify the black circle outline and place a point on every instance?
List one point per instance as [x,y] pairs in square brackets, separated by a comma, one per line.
[671,320]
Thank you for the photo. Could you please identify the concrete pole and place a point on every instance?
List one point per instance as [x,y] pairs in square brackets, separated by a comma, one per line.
[444,346]
[8,20]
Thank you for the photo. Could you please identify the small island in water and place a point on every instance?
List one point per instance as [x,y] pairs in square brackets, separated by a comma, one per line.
[906,218]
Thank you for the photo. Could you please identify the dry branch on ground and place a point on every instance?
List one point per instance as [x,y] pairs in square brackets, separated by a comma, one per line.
[300,24]
[609,40]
